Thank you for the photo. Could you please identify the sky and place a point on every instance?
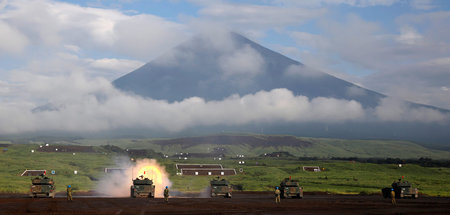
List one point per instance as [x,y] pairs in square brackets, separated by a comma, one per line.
[62,55]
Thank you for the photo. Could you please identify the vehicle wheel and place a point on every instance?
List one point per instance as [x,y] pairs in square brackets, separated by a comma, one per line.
[228,195]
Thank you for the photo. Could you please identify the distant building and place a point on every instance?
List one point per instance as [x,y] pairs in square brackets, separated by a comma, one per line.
[115,170]
[203,169]
[193,171]
[311,168]
[28,172]
[199,166]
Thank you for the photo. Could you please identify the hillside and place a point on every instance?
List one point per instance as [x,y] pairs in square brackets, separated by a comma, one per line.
[257,145]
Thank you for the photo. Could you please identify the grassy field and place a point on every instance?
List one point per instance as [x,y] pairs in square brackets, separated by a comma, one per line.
[338,176]
[19,157]
[258,174]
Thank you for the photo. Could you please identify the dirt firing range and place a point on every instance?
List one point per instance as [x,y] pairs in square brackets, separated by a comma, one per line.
[241,203]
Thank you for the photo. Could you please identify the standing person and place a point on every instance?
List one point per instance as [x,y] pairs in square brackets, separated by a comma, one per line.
[166,194]
[393,197]
[69,193]
[277,195]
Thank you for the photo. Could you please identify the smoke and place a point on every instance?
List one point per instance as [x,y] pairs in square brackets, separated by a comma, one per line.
[118,183]
[150,168]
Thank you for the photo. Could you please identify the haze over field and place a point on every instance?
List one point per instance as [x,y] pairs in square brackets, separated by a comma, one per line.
[58,59]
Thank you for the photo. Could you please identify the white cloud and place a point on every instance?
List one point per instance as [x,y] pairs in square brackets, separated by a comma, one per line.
[409,36]
[12,41]
[301,71]
[83,104]
[112,68]
[412,64]
[55,25]
[395,110]
[356,91]
[251,16]
[243,61]
[422,4]
[321,3]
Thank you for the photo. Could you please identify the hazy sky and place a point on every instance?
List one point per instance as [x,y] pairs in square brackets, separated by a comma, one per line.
[63,54]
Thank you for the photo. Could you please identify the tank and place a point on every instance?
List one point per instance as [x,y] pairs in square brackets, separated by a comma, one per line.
[220,188]
[404,189]
[42,186]
[142,188]
[290,188]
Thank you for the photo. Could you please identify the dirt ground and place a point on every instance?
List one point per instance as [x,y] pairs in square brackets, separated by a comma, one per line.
[241,203]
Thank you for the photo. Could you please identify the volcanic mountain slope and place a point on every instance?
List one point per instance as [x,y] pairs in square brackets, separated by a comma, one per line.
[233,64]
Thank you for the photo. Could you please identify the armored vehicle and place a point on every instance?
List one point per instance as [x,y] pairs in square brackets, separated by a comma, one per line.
[142,188]
[402,189]
[220,188]
[42,187]
[290,188]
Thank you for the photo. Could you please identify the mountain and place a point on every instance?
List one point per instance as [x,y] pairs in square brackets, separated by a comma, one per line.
[198,67]
[216,67]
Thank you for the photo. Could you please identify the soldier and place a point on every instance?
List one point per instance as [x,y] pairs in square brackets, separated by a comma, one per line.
[69,193]
[393,197]
[166,194]
[277,195]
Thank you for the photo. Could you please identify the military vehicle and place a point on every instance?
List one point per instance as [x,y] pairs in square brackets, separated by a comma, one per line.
[402,189]
[42,187]
[142,188]
[290,188]
[220,188]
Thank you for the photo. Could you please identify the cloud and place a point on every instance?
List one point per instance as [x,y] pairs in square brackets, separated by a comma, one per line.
[356,91]
[409,36]
[393,110]
[242,61]
[12,41]
[90,105]
[79,104]
[422,4]
[301,71]
[55,25]
[409,64]
[321,3]
[250,17]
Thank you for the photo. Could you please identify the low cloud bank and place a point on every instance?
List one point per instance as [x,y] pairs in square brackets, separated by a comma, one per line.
[75,103]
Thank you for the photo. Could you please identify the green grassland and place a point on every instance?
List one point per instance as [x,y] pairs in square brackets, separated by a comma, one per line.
[338,176]
[19,157]
[259,174]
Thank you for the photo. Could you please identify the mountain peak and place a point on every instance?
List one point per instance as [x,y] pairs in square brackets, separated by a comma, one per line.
[216,66]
